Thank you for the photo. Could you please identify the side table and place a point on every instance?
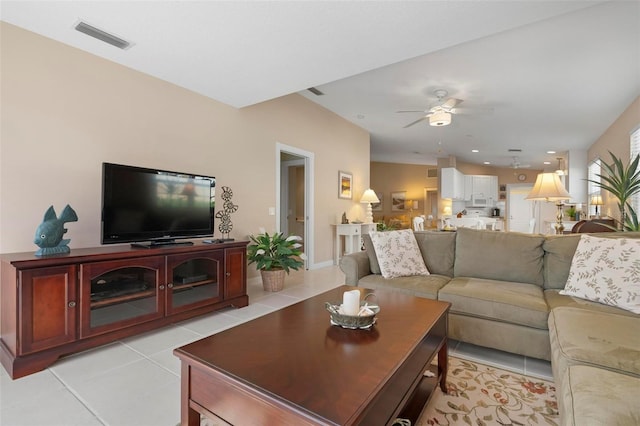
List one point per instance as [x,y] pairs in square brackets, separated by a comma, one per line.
[352,233]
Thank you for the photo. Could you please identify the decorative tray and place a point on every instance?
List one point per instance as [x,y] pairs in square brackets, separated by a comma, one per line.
[365,320]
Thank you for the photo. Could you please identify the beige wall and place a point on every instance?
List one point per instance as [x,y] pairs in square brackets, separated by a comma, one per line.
[617,140]
[391,177]
[64,112]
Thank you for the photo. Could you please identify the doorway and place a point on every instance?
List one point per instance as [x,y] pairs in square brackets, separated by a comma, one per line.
[294,196]
[430,206]
[520,211]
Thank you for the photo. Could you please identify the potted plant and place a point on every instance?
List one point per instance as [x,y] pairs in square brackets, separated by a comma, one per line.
[274,255]
[622,182]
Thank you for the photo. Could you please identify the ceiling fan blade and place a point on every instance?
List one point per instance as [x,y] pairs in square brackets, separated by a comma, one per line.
[416,122]
[451,103]
[469,111]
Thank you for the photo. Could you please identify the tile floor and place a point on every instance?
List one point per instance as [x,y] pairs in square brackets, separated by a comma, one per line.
[136,381]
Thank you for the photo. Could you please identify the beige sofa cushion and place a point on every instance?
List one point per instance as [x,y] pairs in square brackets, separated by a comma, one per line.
[511,302]
[559,250]
[555,300]
[504,256]
[437,248]
[371,253]
[596,397]
[420,286]
[583,336]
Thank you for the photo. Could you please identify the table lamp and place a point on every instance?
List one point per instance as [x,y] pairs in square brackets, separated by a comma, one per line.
[549,188]
[367,198]
[596,200]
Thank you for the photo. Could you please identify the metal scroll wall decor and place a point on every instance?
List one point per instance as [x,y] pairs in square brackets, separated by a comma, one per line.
[224,215]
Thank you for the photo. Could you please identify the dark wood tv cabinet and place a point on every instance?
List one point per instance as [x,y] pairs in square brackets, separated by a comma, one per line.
[58,305]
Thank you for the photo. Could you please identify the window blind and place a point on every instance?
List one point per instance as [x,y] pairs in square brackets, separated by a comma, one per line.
[635,150]
[594,172]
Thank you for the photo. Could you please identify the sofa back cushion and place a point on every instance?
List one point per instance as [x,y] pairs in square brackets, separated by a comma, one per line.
[438,251]
[437,248]
[374,266]
[503,256]
[559,251]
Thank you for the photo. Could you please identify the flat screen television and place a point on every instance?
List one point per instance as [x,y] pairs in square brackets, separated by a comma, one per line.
[151,207]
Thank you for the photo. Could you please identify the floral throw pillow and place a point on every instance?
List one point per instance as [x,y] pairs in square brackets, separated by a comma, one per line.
[398,253]
[606,270]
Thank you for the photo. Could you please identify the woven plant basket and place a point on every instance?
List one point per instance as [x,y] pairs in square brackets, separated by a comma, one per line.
[272,280]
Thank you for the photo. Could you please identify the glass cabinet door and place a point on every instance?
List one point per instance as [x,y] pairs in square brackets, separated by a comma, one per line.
[117,294]
[194,279]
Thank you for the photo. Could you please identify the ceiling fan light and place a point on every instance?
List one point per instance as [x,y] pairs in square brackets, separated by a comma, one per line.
[440,118]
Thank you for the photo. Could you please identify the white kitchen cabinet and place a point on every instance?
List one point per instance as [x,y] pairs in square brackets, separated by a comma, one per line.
[468,187]
[482,186]
[452,183]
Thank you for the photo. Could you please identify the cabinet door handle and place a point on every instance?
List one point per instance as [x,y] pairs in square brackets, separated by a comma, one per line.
[228,274]
[170,285]
[72,304]
[161,287]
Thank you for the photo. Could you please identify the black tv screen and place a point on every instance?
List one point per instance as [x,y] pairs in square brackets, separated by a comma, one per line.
[159,206]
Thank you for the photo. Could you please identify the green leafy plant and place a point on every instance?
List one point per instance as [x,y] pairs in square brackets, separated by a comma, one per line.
[275,251]
[631,221]
[384,227]
[621,182]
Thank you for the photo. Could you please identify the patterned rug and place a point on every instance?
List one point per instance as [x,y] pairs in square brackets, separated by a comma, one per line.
[481,395]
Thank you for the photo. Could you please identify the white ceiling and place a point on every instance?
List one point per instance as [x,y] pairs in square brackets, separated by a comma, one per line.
[555,74]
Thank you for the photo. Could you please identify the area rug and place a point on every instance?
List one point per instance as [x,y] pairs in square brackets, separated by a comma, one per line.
[481,395]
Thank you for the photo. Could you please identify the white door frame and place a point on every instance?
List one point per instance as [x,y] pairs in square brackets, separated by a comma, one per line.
[308,196]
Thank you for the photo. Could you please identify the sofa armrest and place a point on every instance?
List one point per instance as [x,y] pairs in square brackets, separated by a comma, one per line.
[355,266]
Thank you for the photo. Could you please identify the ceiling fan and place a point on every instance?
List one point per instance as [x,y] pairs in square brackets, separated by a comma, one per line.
[516,164]
[440,114]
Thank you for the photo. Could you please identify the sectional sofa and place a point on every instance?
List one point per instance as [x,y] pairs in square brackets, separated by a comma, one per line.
[505,290]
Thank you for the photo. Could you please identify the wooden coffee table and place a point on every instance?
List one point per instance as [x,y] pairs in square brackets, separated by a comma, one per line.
[291,367]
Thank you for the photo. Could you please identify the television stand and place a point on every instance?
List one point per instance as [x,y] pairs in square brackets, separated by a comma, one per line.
[54,306]
[161,243]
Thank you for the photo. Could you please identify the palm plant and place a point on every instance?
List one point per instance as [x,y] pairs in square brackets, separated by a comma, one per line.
[621,182]
[631,222]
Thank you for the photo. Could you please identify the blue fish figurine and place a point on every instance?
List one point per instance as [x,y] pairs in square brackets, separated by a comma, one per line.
[50,231]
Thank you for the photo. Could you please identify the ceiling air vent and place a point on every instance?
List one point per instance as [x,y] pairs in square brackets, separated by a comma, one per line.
[94,32]
[315,91]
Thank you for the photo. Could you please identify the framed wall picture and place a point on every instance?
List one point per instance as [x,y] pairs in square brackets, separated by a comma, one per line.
[345,185]
[377,207]
[397,201]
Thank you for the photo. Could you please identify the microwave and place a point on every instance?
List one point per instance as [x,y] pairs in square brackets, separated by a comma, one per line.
[479,200]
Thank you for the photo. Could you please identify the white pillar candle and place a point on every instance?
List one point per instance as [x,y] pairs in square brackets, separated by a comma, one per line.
[351,302]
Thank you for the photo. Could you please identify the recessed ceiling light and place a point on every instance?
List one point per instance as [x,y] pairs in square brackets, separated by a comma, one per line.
[475,150]
[551,152]
[547,162]
[487,162]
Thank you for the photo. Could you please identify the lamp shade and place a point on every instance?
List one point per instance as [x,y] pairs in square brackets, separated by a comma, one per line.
[440,118]
[549,188]
[369,197]
[596,200]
